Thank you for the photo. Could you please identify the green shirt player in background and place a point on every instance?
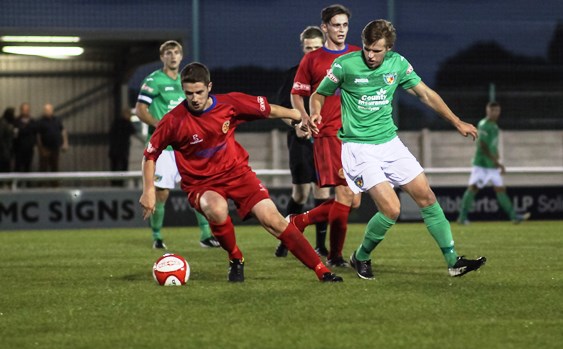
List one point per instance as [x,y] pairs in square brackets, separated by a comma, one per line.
[373,157]
[487,168]
[161,91]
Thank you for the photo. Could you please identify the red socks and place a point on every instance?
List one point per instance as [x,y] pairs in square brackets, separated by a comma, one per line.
[225,234]
[338,222]
[297,244]
[315,215]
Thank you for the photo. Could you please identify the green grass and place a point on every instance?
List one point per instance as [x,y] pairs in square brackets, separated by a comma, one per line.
[94,289]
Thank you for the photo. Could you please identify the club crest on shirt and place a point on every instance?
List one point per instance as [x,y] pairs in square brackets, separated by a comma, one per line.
[359,181]
[225,127]
[390,78]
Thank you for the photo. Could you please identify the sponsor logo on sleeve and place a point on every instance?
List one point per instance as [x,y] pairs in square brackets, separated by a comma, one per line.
[262,103]
[331,76]
[150,148]
[147,88]
[410,69]
[301,87]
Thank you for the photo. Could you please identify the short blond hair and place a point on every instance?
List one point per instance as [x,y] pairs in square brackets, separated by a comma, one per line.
[170,44]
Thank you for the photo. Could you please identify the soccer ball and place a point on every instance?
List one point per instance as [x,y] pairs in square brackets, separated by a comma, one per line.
[171,270]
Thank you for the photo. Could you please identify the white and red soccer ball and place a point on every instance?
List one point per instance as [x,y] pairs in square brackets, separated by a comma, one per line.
[171,270]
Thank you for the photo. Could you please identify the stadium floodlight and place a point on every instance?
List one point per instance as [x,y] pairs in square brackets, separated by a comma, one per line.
[59,52]
[39,39]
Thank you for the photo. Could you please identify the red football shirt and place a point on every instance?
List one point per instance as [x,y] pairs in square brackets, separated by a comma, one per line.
[312,69]
[204,143]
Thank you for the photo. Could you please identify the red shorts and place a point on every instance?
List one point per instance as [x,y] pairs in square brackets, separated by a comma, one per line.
[245,191]
[328,162]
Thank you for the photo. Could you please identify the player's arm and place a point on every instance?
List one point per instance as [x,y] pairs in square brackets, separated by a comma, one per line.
[433,100]
[148,197]
[488,153]
[144,114]
[279,112]
[316,103]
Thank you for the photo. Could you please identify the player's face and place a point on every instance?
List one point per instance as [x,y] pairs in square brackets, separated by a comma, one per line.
[493,113]
[374,54]
[337,29]
[312,44]
[172,58]
[197,95]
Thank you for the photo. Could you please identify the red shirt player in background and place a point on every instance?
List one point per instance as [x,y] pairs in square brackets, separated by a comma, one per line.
[214,167]
[326,146]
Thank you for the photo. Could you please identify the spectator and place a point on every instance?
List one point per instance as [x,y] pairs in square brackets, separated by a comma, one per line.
[6,139]
[25,139]
[119,143]
[51,139]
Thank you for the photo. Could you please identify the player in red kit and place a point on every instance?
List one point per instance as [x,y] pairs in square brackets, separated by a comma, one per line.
[326,146]
[214,167]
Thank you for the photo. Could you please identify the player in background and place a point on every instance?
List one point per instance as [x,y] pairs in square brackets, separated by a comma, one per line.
[214,167]
[487,168]
[300,146]
[373,156]
[161,91]
[326,146]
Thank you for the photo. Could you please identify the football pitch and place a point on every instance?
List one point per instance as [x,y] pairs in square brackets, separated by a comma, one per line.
[94,289]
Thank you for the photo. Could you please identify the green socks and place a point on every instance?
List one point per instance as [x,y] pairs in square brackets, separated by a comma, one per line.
[440,229]
[506,205]
[205,230]
[156,220]
[466,204]
[375,232]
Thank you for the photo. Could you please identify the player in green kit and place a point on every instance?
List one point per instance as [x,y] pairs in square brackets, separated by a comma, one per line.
[161,91]
[373,157]
[487,168]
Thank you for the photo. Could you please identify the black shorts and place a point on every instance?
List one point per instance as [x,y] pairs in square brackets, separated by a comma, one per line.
[301,161]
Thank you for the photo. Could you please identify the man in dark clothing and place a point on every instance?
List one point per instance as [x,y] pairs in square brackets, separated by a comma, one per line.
[24,143]
[51,139]
[120,142]
[6,139]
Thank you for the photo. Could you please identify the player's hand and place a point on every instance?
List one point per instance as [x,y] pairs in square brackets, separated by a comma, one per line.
[148,202]
[466,130]
[302,134]
[314,121]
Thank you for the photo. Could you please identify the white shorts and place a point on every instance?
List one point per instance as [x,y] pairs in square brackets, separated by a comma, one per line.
[366,165]
[481,176]
[166,173]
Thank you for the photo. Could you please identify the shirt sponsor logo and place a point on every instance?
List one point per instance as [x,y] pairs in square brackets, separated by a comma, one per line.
[361,81]
[390,78]
[262,103]
[196,139]
[225,127]
[169,88]
[331,76]
[373,103]
[301,87]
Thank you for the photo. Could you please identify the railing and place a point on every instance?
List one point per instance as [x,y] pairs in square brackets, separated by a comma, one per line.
[16,178]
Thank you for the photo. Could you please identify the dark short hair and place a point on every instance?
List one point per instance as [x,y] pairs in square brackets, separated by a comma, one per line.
[170,44]
[195,72]
[311,32]
[328,12]
[493,104]
[377,30]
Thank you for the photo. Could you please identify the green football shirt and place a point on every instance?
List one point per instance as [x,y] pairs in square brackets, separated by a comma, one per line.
[367,95]
[162,94]
[488,132]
